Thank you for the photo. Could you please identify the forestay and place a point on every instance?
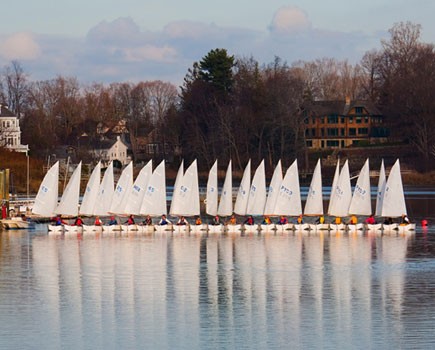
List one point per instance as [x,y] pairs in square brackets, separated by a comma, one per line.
[334,185]
[226,201]
[154,200]
[272,194]
[394,198]
[69,203]
[91,192]
[289,194]
[381,189]
[361,203]
[125,183]
[105,192]
[314,203]
[341,194]
[136,194]
[211,205]
[257,193]
[47,196]
[243,193]
[187,196]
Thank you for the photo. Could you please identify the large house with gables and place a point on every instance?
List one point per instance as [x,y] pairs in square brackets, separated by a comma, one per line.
[10,132]
[340,124]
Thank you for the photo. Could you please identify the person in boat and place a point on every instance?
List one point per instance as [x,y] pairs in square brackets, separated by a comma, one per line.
[337,220]
[78,221]
[249,220]
[282,220]
[198,220]
[216,220]
[320,220]
[98,221]
[353,220]
[164,220]
[23,217]
[233,220]
[181,221]
[148,221]
[405,220]
[388,221]
[266,220]
[300,219]
[130,220]
[59,221]
[113,221]
[371,220]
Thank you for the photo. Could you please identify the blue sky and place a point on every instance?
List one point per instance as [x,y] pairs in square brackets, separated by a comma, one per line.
[133,40]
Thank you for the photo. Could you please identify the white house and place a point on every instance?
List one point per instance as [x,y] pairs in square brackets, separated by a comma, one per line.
[10,132]
[110,150]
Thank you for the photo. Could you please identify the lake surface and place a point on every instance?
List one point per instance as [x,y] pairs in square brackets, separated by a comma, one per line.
[232,291]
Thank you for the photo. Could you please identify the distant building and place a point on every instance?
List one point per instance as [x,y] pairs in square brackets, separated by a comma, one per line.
[111,150]
[10,132]
[340,124]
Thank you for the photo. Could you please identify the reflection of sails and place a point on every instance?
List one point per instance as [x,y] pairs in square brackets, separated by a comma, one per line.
[283,256]
[184,298]
[46,269]
[392,253]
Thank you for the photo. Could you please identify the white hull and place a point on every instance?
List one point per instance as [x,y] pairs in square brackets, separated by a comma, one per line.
[410,228]
[71,229]
[374,227]
[145,228]
[16,224]
[319,227]
[163,228]
[234,228]
[198,228]
[111,228]
[267,228]
[250,228]
[355,227]
[92,229]
[283,228]
[337,227]
[302,228]
[392,228]
[215,228]
[55,229]
[181,228]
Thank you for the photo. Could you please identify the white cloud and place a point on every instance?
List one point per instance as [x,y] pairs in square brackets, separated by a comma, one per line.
[150,53]
[289,19]
[20,46]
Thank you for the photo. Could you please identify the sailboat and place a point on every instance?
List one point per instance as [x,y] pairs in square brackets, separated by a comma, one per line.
[185,201]
[272,196]
[393,202]
[90,196]
[257,196]
[211,203]
[154,199]
[225,207]
[241,203]
[334,184]
[47,196]
[379,197]
[135,195]
[288,202]
[69,203]
[341,196]
[314,202]
[361,203]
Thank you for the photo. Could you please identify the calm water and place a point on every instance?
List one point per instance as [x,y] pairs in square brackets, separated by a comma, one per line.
[139,291]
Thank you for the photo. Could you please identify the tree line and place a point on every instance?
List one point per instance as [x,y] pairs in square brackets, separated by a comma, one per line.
[235,107]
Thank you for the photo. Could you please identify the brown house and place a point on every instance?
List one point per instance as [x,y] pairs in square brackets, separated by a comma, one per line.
[340,124]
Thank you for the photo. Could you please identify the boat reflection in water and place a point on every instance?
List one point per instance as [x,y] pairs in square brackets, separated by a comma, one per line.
[212,291]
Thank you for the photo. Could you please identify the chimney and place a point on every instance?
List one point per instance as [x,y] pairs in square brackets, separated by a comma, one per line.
[347,100]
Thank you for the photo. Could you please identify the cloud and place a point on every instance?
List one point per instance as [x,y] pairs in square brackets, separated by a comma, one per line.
[288,20]
[120,50]
[20,46]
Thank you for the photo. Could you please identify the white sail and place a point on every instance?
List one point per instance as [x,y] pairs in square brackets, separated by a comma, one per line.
[314,203]
[176,191]
[187,197]
[211,205]
[135,195]
[91,191]
[124,184]
[105,193]
[341,194]
[394,198]
[334,184]
[381,189]
[361,203]
[289,194]
[272,195]
[47,196]
[243,194]
[69,203]
[257,193]
[154,199]
[226,201]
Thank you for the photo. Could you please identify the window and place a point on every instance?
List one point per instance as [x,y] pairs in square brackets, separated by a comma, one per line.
[366,119]
[322,120]
[309,143]
[342,132]
[342,120]
[323,144]
[342,144]
[352,132]
[313,132]
[332,143]
[350,120]
[322,130]
[363,131]
[313,120]
[332,119]
[358,120]
[358,110]
[332,131]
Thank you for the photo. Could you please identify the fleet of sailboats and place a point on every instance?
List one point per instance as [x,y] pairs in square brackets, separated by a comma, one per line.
[146,196]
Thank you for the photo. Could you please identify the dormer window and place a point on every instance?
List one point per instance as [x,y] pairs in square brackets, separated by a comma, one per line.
[358,110]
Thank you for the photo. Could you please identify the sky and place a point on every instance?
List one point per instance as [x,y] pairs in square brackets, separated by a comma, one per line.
[105,41]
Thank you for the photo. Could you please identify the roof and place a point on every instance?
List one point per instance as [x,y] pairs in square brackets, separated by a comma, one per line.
[5,112]
[339,107]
